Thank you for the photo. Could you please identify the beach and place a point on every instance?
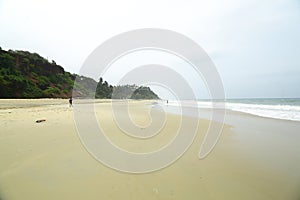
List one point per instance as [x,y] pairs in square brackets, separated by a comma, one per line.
[255,157]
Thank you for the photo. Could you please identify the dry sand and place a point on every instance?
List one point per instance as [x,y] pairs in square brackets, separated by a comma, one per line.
[255,158]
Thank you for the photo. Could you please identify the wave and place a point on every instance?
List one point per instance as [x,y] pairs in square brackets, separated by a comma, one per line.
[286,112]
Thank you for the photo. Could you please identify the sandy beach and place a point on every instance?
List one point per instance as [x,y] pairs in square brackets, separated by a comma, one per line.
[255,158]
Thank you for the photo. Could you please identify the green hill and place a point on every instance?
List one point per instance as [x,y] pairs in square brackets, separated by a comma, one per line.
[133,92]
[28,75]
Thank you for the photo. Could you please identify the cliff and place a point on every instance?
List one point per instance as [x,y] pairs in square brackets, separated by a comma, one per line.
[28,75]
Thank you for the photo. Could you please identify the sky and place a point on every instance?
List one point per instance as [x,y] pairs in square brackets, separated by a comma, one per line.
[254,44]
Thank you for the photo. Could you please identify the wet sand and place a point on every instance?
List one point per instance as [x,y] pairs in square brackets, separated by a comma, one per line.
[255,158]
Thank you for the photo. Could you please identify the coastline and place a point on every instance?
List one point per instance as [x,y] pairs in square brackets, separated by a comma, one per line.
[255,158]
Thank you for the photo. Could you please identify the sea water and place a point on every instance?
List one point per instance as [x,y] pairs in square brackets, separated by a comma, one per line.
[277,108]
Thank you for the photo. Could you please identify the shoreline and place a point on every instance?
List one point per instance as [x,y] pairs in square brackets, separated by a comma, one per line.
[24,103]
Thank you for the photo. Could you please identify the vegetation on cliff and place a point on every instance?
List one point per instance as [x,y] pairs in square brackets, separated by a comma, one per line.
[106,91]
[29,75]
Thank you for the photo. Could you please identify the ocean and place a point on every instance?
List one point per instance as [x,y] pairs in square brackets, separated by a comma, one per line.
[277,108]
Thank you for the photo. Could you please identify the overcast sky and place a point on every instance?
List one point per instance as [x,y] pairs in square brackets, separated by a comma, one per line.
[255,44]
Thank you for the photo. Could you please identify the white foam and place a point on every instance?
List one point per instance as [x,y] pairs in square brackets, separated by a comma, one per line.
[286,112]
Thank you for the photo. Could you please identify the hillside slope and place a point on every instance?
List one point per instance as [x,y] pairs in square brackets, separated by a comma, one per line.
[28,75]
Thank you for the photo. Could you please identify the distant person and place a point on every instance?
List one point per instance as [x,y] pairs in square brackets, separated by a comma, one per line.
[70,102]
[167,101]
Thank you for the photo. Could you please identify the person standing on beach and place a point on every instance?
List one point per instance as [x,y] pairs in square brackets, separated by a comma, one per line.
[70,102]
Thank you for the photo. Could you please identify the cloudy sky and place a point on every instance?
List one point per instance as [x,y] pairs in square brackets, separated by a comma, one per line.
[255,44]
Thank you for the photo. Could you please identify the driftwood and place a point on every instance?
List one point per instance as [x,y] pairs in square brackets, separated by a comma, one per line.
[40,120]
